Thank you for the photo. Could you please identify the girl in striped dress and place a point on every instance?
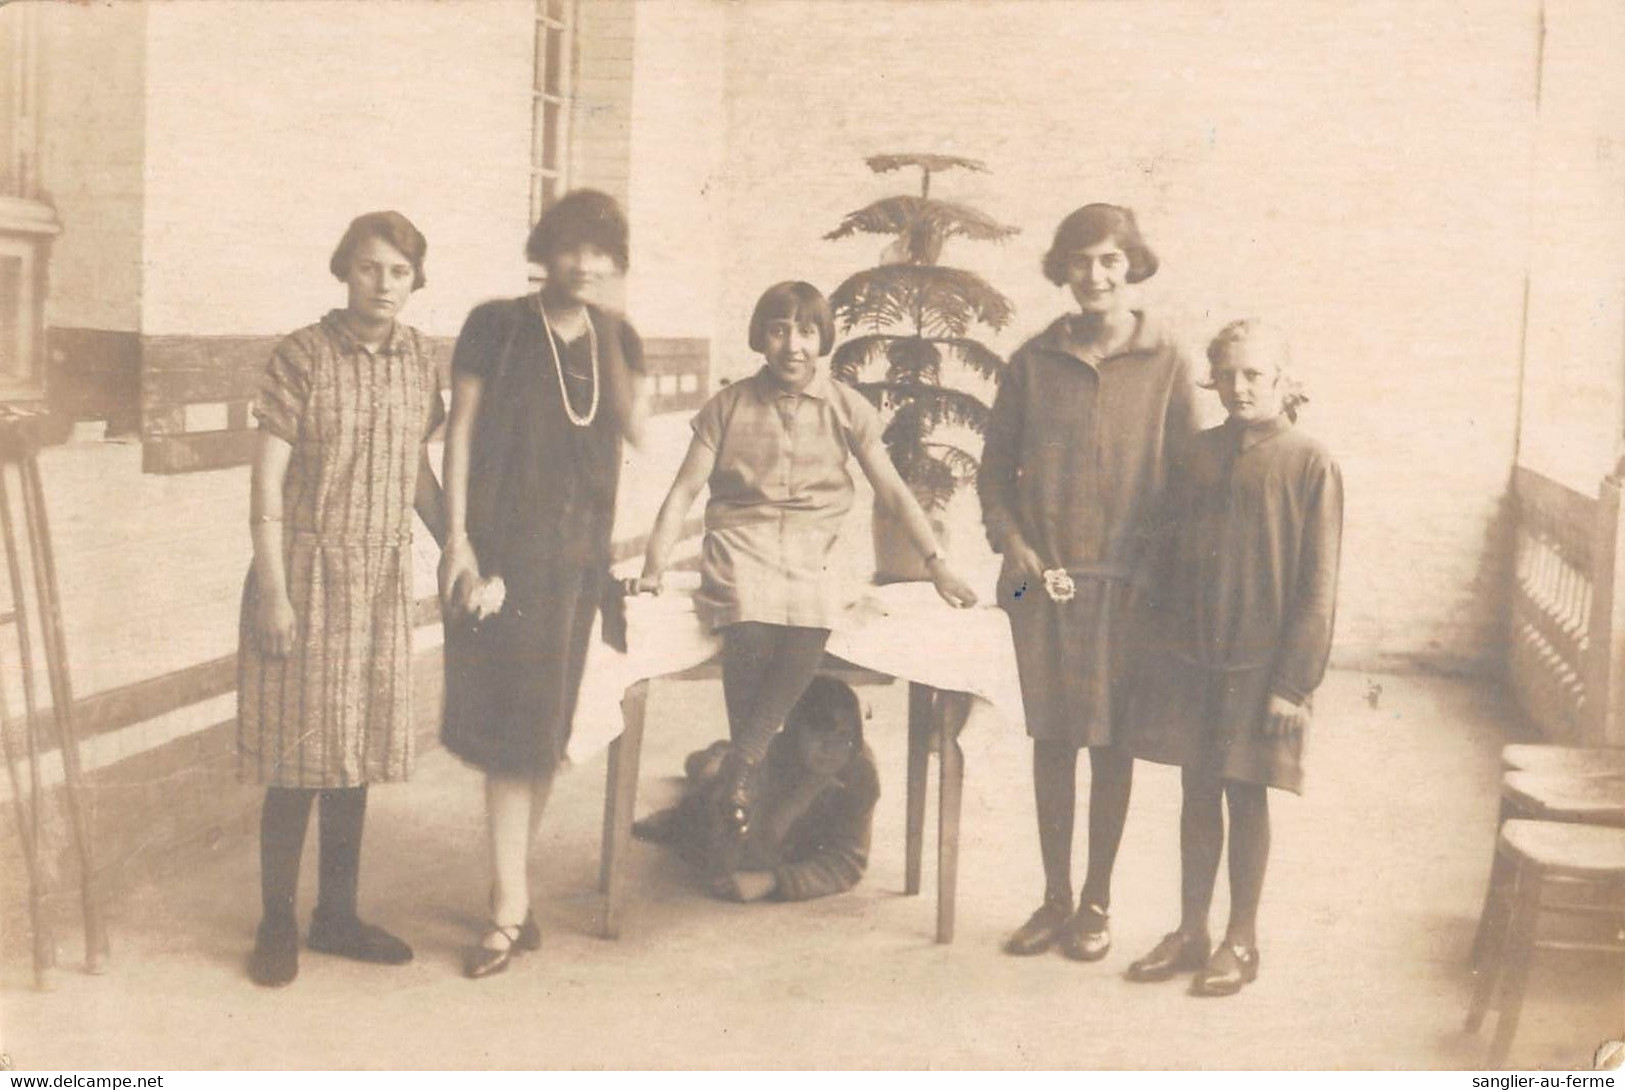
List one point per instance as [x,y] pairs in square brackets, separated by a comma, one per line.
[324,662]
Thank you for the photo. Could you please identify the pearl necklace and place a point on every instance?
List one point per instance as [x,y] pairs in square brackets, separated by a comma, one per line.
[558,367]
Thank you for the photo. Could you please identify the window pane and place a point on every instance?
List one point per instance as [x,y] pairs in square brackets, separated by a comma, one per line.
[550,191]
[11,317]
[550,135]
[553,82]
[538,133]
[542,34]
[10,29]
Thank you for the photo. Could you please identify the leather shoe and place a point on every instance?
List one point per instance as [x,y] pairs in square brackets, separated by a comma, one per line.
[1040,931]
[1230,969]
[1176,953]
[530,933]
[348,937]
[275,960]
[1086,936]
[481,960]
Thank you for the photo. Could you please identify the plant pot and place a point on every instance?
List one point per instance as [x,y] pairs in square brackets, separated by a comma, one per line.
[897,559]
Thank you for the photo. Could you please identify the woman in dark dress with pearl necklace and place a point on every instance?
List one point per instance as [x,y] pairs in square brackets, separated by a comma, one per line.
[545,388]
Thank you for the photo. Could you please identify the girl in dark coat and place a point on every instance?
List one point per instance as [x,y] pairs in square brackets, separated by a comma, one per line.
[1087,418]
[1244,602]
[544,390]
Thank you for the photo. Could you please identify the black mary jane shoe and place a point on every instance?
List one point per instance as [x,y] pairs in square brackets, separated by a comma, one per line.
[481,961]
[1041,930]
[1087,936]
[1176,953]
[348,937]
[530,933]
[1230,969]
[275,960]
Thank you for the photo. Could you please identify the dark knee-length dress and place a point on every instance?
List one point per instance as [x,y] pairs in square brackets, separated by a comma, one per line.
[1245,599]
[541,508]
[1076,457]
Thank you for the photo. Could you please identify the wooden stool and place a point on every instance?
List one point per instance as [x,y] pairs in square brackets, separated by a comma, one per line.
[1544,796]
[1539,852]
[1571,760]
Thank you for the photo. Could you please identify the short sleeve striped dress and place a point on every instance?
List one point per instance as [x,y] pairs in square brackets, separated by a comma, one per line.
[336,712]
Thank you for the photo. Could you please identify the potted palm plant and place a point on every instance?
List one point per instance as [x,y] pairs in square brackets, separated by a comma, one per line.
[904,321]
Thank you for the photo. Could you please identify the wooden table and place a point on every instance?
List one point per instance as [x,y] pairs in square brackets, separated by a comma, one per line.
[935,718]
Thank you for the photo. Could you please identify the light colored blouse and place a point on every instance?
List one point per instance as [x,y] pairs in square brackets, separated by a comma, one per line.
[780,489]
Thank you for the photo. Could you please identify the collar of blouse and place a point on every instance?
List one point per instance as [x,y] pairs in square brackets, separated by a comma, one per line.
[770,390]
[1249,435]
[338,327]
[1059,338]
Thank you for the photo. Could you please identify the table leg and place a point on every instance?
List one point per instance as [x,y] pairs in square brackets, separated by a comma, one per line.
[620,799]
[921,724]
[952,709]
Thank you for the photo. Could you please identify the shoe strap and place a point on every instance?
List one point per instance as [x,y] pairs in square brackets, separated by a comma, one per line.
[509,931]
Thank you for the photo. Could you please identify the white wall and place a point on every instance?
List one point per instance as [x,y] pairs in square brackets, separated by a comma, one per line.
[92,124]
[270,125]
[1575,371]
[1358,172]
[678,134]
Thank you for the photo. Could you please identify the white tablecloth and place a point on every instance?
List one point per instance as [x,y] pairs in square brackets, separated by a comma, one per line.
[903,630]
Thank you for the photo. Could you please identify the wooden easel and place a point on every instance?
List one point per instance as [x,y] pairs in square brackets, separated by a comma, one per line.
[22,434]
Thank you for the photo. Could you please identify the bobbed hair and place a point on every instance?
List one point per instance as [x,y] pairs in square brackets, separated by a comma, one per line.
[394,229]
[1261,334]
[1093,224]
[829,705]
[581,217]
[798,301]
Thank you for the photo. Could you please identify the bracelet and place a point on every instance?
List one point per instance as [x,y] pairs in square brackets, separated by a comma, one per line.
[255,519]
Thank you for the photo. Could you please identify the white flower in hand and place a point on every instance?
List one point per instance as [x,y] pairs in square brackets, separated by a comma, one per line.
[1059,586]
[488,597]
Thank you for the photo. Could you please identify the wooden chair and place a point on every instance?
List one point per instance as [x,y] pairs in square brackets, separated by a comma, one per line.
[1583,798]
[1538,853]
[1571,760]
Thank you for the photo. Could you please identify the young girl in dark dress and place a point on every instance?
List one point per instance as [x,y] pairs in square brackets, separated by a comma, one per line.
[544,390]
[1244,602]
[325,653]
[1087,418]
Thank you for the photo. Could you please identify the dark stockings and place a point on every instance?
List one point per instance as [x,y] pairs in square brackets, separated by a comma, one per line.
[1201,840]
[765,669]
[282,841]
[1111,779]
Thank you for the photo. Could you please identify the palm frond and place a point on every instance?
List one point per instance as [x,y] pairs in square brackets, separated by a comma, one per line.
[962,462]
[852,357]
[933,300]
[975,355]
[921,409]
[882,164]
[905,214]
[931,479]
[913,360]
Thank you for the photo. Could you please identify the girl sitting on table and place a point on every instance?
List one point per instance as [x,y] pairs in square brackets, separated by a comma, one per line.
[774,449]
[1243,611]
[1087,418]
[816,806]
